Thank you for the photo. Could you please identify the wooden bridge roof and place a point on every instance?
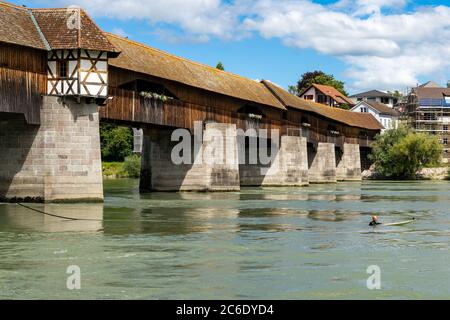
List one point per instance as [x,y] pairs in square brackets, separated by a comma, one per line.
[144,59]
[353,119]
[17,27]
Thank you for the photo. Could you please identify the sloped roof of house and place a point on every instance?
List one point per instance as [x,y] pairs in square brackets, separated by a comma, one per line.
[380,108]
[372,94]
[144,59]
[360,120]
[333,93]
[431,92]
[49,29]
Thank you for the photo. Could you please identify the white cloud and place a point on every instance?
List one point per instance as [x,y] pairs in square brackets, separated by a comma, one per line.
[384,46]
[198,17]
[383,51]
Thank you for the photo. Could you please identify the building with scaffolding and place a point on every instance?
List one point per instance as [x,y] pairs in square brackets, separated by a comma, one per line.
[428,110]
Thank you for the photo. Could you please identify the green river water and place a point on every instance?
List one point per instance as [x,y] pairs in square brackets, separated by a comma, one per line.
[275,243]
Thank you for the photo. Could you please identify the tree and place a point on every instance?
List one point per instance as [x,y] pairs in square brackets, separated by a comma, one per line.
[401,153]
[220,66]
[318,77]
[116,142]
[293,90]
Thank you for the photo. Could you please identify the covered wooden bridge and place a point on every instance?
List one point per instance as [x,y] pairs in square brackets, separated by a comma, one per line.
[59,80]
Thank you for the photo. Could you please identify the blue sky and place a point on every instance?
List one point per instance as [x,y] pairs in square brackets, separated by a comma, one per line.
[370,44]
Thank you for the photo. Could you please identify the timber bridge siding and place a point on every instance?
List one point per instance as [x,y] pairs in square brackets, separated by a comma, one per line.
[59,80]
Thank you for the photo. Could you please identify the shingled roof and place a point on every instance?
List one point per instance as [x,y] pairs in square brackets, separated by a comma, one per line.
[333,93]
[372,94]
[382,108]
[431,92]
[54,25]
[360,120]
[144,59]
[17,27]
[48,29]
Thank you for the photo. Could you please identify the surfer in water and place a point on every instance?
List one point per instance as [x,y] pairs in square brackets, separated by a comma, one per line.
[374,222]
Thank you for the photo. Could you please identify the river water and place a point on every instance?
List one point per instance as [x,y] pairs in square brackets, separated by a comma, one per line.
[275,243]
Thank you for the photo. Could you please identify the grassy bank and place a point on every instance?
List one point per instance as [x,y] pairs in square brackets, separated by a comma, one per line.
[130,168]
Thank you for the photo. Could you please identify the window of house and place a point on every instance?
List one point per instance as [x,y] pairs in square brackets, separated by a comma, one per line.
[309,97]
[321,98]
[445,141]
[63,69]
[364,110]
[445,127]
[385,100]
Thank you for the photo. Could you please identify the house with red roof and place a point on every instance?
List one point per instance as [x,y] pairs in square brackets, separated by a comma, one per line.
[326,95]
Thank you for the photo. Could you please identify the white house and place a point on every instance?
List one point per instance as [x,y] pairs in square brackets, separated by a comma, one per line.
[388,117]
[376,96]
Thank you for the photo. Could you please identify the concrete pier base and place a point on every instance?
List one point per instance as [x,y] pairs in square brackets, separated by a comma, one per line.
[348,163]
[322,163]
[60,160]
[214,165]
[289,168]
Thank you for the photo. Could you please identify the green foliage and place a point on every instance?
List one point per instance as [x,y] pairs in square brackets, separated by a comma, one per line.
[116,142]
[132,166]
[114,169]
[401,153]
[220,66]
[293,90]
[319,77]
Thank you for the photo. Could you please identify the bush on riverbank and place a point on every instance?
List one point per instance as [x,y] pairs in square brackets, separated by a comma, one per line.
[131,168]
[401,153]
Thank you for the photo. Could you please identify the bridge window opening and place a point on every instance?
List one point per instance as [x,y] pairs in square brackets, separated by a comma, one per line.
[143,86]
[333,130]
[252,112]
[305,122]
[363,134]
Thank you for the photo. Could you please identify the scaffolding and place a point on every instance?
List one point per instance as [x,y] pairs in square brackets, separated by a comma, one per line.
[431,116]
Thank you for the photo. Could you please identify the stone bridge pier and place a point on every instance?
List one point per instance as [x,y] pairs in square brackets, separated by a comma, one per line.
[348,163]
[209,161]
[288,165]
[322,163]
[60,160]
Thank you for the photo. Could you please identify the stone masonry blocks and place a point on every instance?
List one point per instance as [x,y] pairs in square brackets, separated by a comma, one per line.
[349,166]
[60,160]
[211,173]
[322,161]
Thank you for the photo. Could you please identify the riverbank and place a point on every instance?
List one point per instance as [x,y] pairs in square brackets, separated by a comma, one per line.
[130,168]
[437,174]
